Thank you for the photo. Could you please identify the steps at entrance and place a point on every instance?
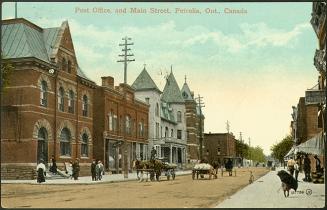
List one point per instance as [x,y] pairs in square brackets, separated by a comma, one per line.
[59,175]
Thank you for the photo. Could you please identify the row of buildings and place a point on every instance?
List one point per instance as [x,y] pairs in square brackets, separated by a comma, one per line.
[308,126]
[51,108]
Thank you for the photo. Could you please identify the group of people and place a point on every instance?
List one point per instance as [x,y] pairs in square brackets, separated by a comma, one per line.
[294,168]
[73,169]
[97,170]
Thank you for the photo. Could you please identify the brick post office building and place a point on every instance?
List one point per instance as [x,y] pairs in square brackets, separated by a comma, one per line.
[47,108]
[121,128]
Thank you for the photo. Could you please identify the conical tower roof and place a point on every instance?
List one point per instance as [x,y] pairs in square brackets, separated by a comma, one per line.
[145,82]
[171,92]
[186,92]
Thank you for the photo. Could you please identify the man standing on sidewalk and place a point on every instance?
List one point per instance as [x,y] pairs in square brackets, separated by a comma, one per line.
[290,166]
[307,168]
[296,169]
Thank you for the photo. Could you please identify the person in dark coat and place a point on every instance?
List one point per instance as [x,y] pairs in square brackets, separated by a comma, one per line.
[53,167]
[93,165]
[40,168]
[288,182]
[76,169]
[229,167]
[318,162]
[306,168]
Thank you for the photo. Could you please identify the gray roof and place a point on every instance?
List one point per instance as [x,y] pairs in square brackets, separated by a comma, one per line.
[186,92]
[21,40]
[144,82]
[171,92]
[167,112]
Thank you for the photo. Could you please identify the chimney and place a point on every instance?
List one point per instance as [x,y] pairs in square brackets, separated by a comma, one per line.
[108,82]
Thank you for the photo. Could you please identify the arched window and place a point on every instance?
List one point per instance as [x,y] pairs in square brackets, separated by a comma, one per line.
[84,145]
[65,139]
[71,101]
[172,133]
[69,66]
[63,64]
[44,93]
[179,116]
[166,132]
[42,145]
[157,110]
[128,125]
[85,106]
[141,128]
[61,99]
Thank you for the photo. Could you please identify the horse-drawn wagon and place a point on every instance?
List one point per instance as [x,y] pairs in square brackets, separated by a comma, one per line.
[154,169]
[203,169]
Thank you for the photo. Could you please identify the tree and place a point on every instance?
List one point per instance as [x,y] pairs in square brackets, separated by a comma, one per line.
[280,149]
[6,71]
[242,149]
[256,154]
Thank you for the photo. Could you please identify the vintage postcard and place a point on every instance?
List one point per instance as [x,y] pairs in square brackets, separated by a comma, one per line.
[163,104]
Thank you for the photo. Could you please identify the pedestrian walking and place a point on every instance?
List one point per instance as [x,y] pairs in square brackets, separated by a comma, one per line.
[53,167]
[76,169]
[69,169]
[307,168]
[99,170]
[40,168]
[229,167]
[93,172]
[290,166]
[296,170]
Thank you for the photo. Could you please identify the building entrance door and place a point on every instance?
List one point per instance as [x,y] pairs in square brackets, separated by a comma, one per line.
[42,146]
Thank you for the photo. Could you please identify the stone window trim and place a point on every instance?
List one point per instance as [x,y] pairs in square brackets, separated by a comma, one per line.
[69,125]
[42,123]
[87,131]
[45,78]
[61,99]
[85,145]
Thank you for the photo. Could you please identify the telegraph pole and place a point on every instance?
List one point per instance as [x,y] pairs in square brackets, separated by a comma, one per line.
[126,56]
[200,104]
[251,163]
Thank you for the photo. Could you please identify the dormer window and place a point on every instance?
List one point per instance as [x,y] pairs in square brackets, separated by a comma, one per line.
[69,66]
[64,64]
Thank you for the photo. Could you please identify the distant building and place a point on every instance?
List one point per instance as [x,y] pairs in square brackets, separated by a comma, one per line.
[121,129]
[192,124]
[220,147]
[167,130]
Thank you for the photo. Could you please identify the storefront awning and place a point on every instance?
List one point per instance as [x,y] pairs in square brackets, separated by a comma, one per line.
[315,145]
[290,153]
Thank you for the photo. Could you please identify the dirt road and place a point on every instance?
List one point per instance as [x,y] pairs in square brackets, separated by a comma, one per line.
[182,192]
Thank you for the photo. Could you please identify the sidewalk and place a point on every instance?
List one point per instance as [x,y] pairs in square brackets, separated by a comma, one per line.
[88,179]
[266,192]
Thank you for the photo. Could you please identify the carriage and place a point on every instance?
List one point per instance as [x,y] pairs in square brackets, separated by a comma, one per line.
[154,169]
[203,169]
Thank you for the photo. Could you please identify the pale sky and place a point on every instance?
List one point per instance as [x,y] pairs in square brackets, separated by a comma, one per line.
[250,68]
